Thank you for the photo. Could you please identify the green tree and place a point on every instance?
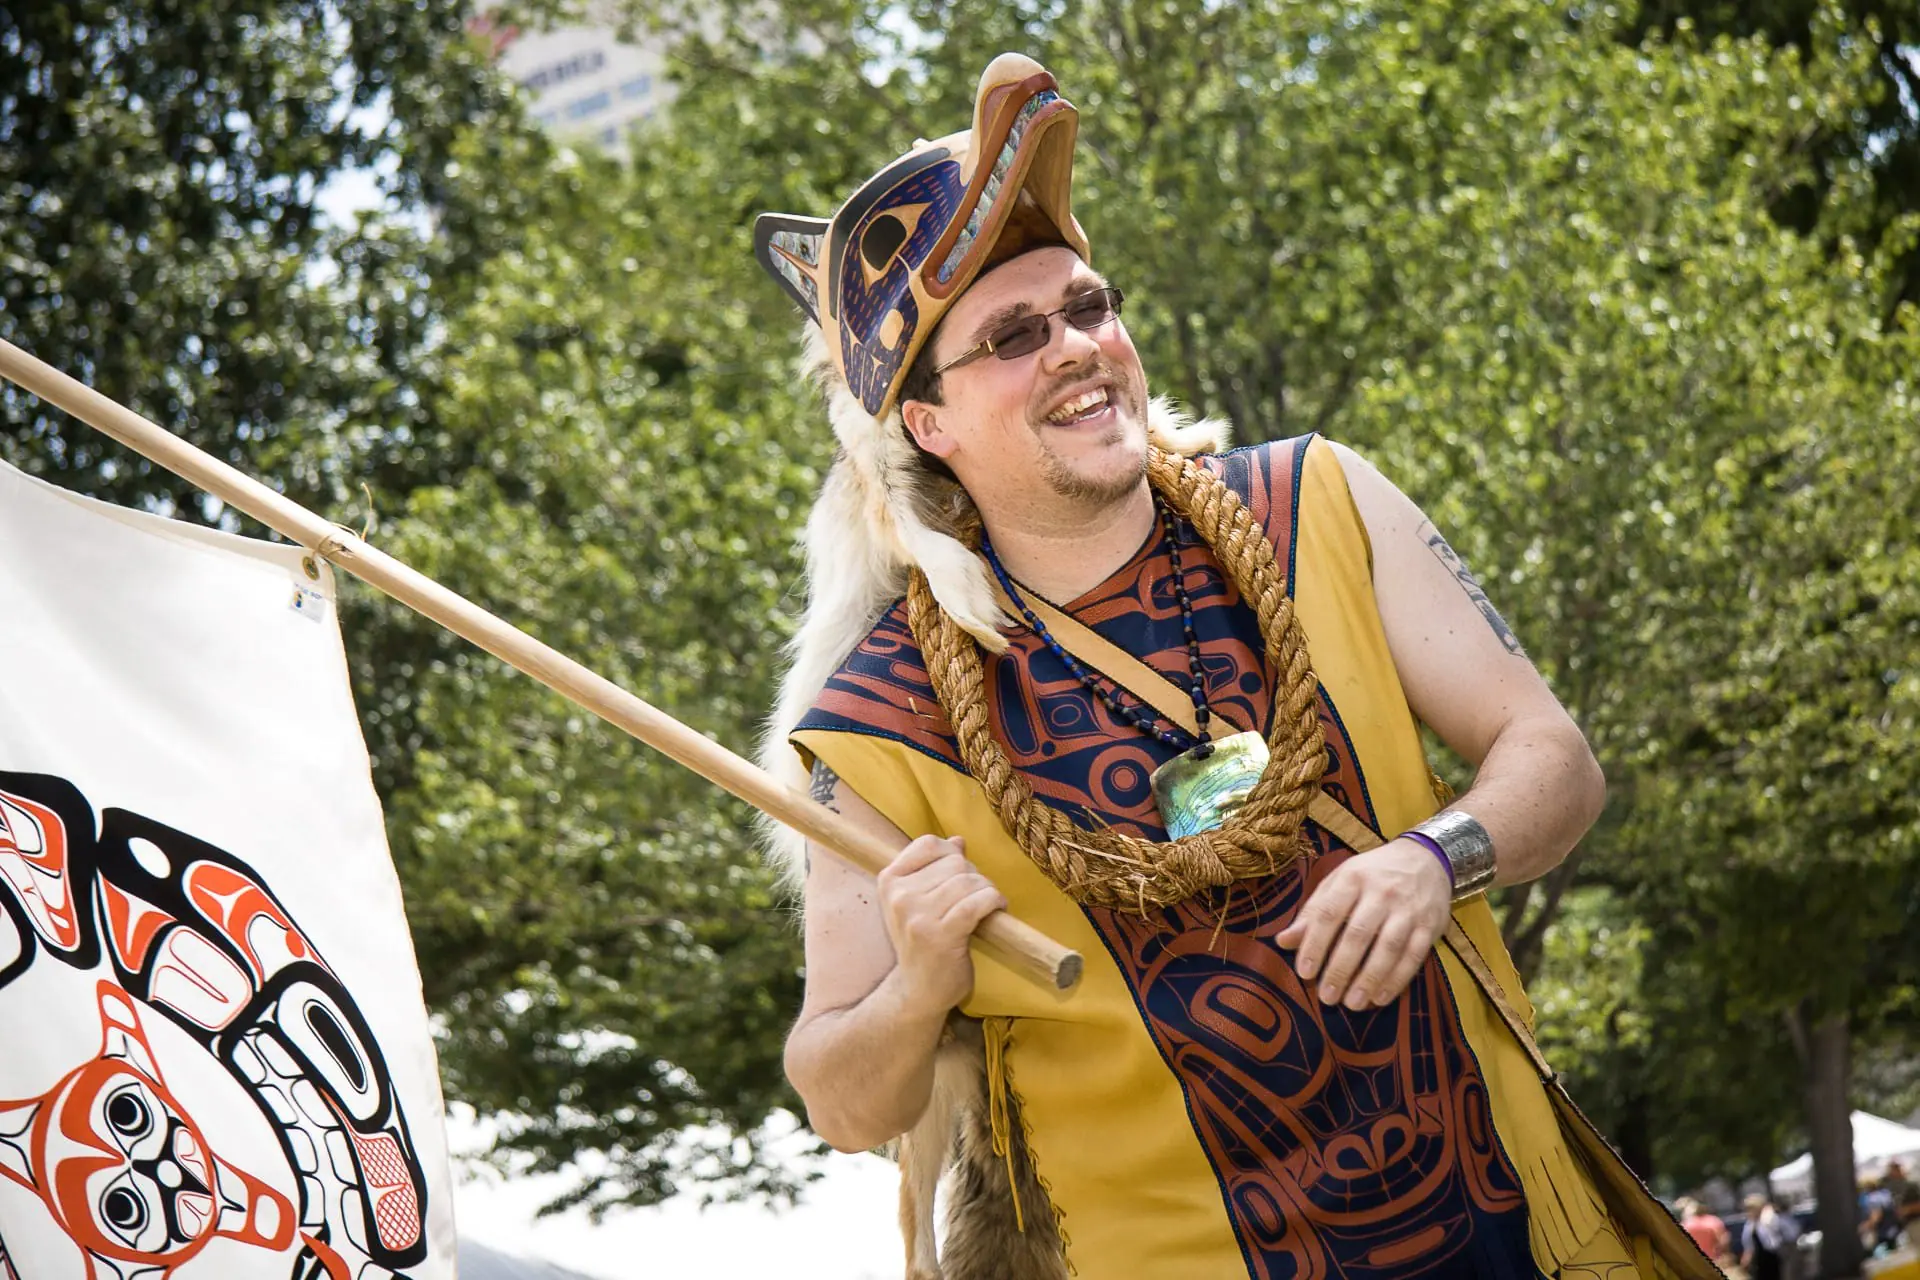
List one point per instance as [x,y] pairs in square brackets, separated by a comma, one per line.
[1665,1054]
[487,354]
[1881,134]
[626,461]
[159,234]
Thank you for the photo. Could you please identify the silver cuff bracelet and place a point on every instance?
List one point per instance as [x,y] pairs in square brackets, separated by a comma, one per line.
[1467,846]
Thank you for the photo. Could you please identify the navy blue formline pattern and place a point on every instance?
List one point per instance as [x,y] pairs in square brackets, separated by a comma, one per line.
[1138,714]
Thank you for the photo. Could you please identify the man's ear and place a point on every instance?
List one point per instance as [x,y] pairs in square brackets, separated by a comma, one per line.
[924,425]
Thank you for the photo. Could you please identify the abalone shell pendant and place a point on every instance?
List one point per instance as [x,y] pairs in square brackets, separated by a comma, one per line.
[1197,794]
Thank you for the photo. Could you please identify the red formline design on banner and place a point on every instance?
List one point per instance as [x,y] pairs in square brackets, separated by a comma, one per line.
[117,1159]
[215,1059]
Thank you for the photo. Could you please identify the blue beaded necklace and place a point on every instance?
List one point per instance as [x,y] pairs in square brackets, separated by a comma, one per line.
[1140,716]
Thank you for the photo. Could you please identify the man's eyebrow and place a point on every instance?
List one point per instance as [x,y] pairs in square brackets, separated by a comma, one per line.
[1014,310]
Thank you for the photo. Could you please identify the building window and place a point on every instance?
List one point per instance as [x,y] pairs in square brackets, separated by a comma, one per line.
[584,107]
[638,87]
[561,72]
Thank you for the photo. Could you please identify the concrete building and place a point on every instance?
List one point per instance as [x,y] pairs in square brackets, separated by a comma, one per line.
[585,85]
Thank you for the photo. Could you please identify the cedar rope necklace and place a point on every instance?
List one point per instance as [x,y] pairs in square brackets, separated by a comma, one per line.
[1105,867]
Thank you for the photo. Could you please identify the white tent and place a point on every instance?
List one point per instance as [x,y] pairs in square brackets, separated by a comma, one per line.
[1875,1142]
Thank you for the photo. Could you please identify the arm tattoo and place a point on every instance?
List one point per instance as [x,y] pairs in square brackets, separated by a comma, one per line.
[1469,584]
[821,784]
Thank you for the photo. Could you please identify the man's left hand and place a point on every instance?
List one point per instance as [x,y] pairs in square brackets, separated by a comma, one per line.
[1368,927]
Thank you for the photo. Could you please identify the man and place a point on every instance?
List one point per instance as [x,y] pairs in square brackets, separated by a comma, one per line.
[1906,1196]
[1883,1224]
[1769,1235]
[1268,1069]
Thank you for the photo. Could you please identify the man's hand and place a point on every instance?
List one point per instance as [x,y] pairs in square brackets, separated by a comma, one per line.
[1368,927]
[887,962]
[932,900]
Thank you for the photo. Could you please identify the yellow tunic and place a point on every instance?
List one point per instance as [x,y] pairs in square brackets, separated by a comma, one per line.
[1190,1110]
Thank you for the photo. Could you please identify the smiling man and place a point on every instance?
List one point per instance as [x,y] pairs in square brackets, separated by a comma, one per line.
[1070,659]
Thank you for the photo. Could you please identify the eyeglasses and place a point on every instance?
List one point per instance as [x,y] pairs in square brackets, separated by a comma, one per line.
[1028,334]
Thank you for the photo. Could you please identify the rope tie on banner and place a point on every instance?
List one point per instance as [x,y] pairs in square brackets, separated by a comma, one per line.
[1105,867]
[327,546]
[326,549]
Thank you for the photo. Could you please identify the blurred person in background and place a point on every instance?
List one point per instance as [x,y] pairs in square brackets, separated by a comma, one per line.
[1707,1230]
[1881,1229]
[1903,1192]
[1764,1255]
[1788,1228]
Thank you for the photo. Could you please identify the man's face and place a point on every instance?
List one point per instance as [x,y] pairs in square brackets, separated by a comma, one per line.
[1066,421]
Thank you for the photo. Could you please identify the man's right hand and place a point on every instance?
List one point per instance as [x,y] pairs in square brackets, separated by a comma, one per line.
[886,963]
[932,900]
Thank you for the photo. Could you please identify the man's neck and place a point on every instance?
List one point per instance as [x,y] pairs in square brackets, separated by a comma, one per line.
[1065,551]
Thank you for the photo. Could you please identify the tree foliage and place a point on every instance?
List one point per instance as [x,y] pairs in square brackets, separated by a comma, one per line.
[628,462]
[159,234]
[1881,133]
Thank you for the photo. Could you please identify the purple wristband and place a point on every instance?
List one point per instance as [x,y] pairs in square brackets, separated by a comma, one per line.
[1433,846]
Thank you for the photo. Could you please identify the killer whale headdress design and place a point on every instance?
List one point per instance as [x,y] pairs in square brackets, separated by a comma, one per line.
[878,275]
[874,280]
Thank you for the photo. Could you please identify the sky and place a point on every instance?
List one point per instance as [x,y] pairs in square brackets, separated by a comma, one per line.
[844,1229]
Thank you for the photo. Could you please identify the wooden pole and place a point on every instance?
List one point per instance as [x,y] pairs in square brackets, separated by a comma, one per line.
[1007,938]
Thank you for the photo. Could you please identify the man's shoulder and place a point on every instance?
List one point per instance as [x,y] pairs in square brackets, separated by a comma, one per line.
[1267,477]
[1237,466]
[882,690]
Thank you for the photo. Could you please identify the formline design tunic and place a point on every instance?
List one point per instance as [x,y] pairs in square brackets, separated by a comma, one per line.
[1193,1108]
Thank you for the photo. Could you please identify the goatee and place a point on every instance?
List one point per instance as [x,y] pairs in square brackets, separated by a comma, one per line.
[1099,490]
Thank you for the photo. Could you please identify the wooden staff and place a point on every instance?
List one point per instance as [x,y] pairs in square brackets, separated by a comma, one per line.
[1010,940]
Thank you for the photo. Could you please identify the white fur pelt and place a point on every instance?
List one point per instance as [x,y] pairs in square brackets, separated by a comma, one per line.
[878,516]
[986,1238]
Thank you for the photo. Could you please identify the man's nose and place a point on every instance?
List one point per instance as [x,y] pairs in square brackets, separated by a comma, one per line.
[1070,346]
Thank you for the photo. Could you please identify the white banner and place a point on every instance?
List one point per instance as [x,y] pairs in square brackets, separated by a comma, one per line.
[214,1058]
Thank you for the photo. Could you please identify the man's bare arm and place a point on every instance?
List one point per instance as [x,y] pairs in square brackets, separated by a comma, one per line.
[887,961]
[1370,925]
[1537,787]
